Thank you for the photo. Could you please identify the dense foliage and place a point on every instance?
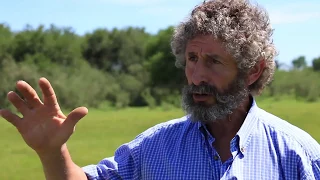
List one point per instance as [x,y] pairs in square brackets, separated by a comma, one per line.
[118,67]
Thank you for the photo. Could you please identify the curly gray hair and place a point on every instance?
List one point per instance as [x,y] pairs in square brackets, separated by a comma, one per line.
[244,29]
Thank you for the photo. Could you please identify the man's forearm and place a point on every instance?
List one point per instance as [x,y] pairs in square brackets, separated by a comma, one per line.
[59,166]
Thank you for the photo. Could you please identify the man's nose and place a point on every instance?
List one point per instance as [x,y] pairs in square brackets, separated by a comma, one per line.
[200,73]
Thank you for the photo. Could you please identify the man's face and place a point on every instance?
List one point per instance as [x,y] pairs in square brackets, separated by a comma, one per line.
[215,86]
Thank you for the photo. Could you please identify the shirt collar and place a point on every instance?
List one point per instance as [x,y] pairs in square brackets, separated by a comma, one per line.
[246,129]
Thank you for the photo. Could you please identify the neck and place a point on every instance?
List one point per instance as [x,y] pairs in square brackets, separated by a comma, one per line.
[227,128]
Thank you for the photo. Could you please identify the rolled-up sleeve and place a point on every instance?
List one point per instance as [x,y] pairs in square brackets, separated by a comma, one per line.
[125,164]
[316,169]
[105,169]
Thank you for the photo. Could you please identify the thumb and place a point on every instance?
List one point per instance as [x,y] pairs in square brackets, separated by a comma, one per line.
[74,116]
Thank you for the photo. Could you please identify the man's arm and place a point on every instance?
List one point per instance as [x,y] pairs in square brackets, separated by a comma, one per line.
[59,166]
[316,170]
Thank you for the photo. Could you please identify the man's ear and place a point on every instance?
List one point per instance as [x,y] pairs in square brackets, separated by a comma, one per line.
[256,71]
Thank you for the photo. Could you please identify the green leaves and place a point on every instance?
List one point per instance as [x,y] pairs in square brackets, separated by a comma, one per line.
[118,67]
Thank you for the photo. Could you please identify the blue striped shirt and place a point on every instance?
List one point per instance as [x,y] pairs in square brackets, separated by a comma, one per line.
[265,148]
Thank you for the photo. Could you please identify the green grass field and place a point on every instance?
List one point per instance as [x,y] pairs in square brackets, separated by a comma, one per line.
[101,132]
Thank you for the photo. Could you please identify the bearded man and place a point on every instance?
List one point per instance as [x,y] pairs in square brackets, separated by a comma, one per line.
[226,50]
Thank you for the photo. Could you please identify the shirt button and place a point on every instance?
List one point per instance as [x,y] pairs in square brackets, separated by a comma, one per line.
[216,157]
[242,149]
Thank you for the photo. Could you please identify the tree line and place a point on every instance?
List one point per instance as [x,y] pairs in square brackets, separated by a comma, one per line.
[117,67]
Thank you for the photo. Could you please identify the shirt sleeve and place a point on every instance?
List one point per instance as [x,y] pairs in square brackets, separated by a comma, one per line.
[309,164]
[125,164]
[315,170]
[105,169]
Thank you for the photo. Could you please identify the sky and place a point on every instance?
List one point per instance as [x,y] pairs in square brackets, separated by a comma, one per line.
[296,23]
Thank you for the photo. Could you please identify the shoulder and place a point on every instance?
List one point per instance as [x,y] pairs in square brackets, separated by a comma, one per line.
[160,132]
[291,137]
[127,159]
[169,128]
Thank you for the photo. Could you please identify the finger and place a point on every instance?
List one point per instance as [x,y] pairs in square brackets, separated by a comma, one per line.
[18,103]
[11,118]
[49,96]
[73,118]
[29,94]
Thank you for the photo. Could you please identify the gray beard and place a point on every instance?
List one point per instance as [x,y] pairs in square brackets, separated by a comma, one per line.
[226,102]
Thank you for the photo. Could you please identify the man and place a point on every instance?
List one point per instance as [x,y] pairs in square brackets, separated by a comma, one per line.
[226,50]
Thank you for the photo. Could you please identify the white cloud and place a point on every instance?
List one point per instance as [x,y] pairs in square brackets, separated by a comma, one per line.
[161,10]
[157,10]
[133,2]
[294,12]
[284,18]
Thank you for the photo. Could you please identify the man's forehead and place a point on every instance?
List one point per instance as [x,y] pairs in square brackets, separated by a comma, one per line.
[205,47]
[208,47]
[204,41]
[198,46]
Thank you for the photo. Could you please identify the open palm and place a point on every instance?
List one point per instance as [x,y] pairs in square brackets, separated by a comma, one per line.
[43,126]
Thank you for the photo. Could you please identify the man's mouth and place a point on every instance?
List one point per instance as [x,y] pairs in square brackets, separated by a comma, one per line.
[201,96]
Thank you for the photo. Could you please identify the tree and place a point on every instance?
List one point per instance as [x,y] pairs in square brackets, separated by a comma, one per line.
[6,39]
[166,79]
[118,67]
[278,64]
[316,64]
[99,49]
[299,63]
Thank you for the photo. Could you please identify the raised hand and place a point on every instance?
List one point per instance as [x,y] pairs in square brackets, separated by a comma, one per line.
[43,126]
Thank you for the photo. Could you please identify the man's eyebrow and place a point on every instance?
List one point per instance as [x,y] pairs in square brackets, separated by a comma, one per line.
[191,53]
[210,55]
[214,56]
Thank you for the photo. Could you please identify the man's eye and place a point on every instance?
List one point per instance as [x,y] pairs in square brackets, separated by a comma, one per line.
[192,58]
[214,61]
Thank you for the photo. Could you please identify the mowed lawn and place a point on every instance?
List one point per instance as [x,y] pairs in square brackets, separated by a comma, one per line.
[99,134]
